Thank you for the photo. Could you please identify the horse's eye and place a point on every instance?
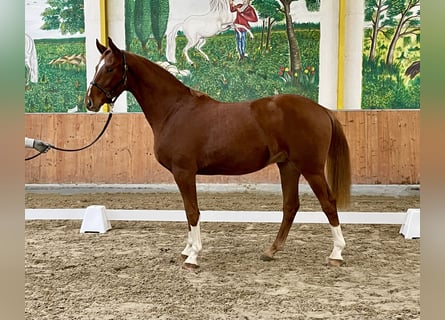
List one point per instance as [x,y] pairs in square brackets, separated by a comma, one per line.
[108,69]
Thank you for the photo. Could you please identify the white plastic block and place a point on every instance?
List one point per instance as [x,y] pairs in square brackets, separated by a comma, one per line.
[95,220]
[411,228]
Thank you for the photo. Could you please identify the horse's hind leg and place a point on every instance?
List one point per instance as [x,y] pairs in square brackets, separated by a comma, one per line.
[191,42]
[289,175]
[198,47]
[328,204]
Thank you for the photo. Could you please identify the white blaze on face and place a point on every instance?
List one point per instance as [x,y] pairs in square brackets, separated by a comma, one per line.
[98,67]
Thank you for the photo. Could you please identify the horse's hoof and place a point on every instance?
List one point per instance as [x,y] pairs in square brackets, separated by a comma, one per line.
[190,267]
[266,257]
[335,263]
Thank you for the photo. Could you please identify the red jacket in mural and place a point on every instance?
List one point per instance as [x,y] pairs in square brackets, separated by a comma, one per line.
[245,16]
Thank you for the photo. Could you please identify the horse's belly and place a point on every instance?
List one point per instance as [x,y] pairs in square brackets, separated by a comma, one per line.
[234,164]
[229,171]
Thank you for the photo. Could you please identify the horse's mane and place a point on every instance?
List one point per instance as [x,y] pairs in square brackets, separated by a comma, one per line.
[160,70]
[198,94]
[219,6]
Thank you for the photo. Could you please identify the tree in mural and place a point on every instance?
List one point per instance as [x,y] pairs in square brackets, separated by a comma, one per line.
[270,11]
[65,15]
[145,19]
[404,17]
[395,19]
[129,23]
[375,12]
[142,21]
[294,49]
[159,19]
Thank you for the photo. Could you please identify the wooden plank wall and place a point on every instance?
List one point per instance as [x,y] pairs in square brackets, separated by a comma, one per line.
[384,150]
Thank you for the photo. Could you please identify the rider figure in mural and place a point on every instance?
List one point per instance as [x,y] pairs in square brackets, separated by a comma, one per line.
[245,13]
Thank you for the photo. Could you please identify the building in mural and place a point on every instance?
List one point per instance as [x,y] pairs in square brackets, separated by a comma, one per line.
[196,41]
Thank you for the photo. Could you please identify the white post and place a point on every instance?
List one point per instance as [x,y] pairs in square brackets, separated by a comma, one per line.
[116,30]
[355,16]
[327,92]
[353,48]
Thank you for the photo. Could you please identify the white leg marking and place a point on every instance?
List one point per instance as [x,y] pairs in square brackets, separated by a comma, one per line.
[196,246]
[188,247]
[339,243]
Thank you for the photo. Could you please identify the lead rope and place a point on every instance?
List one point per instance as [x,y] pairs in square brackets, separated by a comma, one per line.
[78,149]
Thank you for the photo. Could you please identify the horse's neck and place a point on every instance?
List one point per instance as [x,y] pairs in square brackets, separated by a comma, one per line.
[155,89]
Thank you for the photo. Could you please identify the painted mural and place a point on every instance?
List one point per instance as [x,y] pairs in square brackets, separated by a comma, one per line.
[56,80]
[232,50]
[391,55]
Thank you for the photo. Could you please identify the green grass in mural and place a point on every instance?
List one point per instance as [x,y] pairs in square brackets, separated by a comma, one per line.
[62,84]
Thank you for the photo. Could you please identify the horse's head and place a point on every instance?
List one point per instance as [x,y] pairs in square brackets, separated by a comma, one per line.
[110,78]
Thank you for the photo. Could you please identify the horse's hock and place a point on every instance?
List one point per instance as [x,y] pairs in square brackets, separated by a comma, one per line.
[384,146]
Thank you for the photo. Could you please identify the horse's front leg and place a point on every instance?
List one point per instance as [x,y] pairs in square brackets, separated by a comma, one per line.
[186,182]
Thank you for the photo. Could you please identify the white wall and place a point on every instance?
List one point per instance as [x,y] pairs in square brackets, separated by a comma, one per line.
[327,92]
[355,19]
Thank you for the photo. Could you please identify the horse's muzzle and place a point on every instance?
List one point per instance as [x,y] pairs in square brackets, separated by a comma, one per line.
[89,104]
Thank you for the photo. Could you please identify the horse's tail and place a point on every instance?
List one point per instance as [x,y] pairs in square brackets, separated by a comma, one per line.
[31,56]
[339,164]
[170,50]
[34,66]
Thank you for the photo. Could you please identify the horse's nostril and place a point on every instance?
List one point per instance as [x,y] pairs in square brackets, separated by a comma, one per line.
[88,102]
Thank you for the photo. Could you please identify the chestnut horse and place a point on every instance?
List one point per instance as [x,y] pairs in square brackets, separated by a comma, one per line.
[197,135]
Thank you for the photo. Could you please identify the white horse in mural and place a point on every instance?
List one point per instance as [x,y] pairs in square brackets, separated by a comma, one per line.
[197,28]
[30,60]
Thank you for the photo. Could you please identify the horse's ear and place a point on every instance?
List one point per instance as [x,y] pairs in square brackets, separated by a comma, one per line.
[100,47]
[112,46]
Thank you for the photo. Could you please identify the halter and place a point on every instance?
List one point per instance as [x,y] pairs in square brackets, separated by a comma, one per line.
[111,94]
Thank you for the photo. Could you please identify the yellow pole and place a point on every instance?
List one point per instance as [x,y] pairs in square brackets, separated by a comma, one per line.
[104,35]
[341,53]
